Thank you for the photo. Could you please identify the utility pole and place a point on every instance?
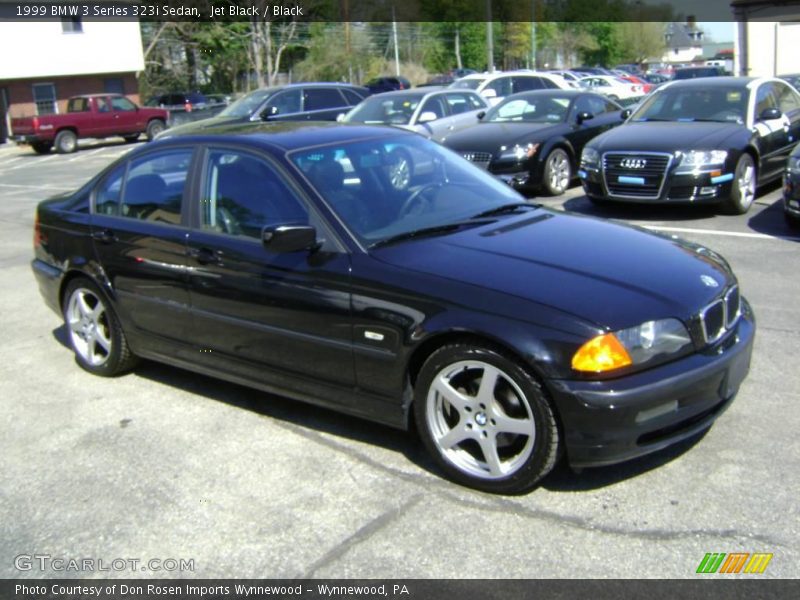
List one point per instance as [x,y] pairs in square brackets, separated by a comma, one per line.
[533,34]
[489,38]
[396,48]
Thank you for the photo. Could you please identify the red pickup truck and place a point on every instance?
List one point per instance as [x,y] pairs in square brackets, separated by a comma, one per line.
[89,116]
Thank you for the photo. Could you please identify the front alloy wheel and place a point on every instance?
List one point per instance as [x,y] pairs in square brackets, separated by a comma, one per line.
[485,420]
[557,172]
[743,190]
[94,332]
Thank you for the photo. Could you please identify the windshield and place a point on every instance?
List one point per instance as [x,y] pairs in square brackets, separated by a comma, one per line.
[246,105]
[388,187]
[467,84]
[532,109]
[385,109]
[726,104]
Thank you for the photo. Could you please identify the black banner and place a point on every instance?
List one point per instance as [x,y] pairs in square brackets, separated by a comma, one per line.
[728,588]
[403,10]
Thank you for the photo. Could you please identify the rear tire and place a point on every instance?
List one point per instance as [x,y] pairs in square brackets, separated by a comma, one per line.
[95,334]
[66,142]
[484,419]
[744,186]
[42,147]
[154,127]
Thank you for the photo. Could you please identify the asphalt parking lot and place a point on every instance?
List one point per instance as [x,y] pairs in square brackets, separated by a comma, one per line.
[167,465]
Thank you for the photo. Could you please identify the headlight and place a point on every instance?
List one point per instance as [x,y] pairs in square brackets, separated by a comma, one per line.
[650,342]
[590,157]
[518,152]
[794,164]
[697,159]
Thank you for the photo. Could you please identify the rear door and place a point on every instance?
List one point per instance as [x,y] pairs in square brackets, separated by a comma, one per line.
[139,234]
[272,316]
[323,103]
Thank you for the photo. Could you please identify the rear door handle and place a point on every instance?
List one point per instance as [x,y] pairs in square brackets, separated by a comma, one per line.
[206,256]
[105,236]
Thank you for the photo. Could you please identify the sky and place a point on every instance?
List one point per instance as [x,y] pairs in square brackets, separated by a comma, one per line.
[719,31]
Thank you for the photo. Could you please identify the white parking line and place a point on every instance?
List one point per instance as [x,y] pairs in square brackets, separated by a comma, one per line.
[37,187]
[758,236]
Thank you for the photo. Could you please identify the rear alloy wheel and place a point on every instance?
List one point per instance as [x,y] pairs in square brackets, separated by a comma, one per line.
[743,189]
[66,142]
[155,127]
[94,331]
[557,172]
[484,419]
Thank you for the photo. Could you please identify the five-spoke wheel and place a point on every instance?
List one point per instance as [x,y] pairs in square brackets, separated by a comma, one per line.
[485,419]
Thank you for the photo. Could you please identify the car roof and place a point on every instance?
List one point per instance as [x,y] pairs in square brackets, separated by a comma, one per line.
[287,135]
[719,81]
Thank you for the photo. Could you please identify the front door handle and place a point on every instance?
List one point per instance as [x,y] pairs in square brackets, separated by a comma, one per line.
[106,236]
[206,256]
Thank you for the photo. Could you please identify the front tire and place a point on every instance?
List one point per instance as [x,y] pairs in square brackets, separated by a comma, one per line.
[66,142]
[94,331]
[557,172]
[484,419]
[743,189]
[154,127]
[131,138]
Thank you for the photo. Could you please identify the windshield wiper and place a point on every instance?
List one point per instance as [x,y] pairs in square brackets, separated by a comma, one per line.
[425,231]
[504,208]
[643,119]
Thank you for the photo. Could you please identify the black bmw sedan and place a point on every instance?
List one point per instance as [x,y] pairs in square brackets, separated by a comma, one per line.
[286,257]
[702,141]
[533,140]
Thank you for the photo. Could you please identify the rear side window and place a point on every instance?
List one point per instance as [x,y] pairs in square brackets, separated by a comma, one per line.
[322,98]
[151,190]
[524,84]
[78,105]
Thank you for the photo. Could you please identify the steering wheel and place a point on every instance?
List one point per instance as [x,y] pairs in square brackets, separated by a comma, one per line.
[415,198]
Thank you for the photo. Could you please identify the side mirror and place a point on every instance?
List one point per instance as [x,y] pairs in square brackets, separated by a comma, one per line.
[289,238]
[427,117]
[625,113]
[481,114]
[770,114]
[584,116]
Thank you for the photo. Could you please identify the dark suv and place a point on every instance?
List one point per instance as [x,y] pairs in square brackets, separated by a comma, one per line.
[292,102]
[388,84]
[694,72]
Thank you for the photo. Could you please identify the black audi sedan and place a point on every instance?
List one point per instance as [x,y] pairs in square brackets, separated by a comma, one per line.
[703,141]
[791,189]
[290,258]
[533,140]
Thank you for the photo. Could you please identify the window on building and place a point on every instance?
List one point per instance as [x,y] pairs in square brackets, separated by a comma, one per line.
[113,85]
[44,96]
[71,25]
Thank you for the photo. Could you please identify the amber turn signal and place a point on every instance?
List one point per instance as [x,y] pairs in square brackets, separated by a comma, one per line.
[602,353]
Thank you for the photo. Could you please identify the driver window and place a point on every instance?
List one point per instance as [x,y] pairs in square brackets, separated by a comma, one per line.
[765,98]
[434,105]
[243,193]
[283,103]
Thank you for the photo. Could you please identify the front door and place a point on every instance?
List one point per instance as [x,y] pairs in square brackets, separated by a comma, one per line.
[274,316]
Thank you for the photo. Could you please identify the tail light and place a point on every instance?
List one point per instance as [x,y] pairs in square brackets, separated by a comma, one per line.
[37,231]
[35,123]
[188,107]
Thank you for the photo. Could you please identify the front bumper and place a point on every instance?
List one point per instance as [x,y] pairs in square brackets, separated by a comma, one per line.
[687,188]
[791,194]
[607,422]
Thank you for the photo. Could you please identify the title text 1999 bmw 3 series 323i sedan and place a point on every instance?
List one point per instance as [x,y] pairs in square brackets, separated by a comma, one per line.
[510,334]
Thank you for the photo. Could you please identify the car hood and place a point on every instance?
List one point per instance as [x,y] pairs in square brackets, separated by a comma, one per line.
[488,137]
[610,275]
[662,136]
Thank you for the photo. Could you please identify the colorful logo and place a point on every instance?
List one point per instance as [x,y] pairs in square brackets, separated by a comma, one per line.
[735,562]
